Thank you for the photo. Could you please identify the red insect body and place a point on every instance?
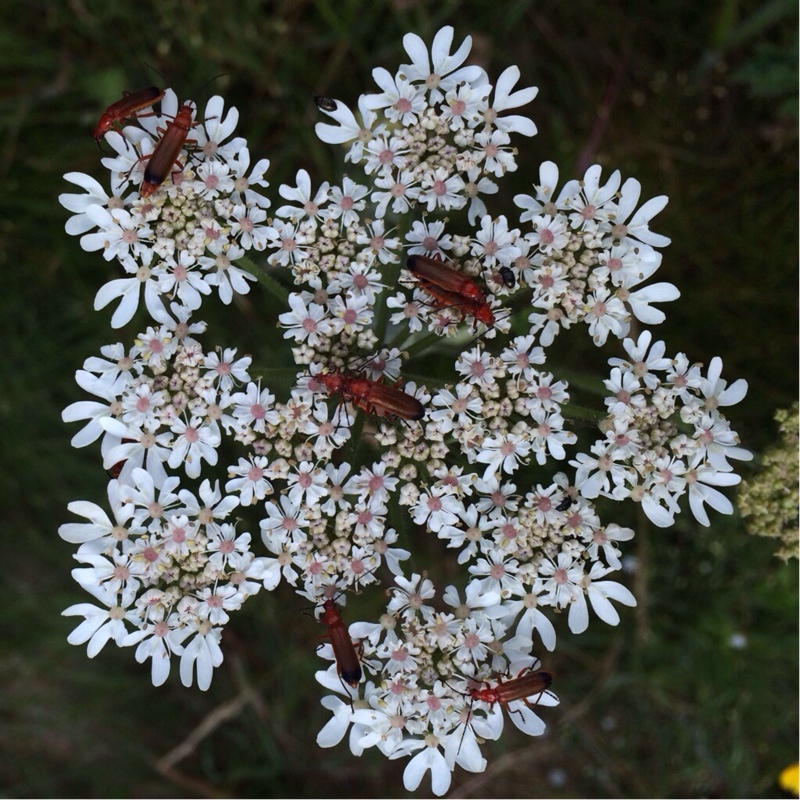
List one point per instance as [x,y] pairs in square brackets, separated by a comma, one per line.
[525,685]
[433,271]
[167,149]
[347,661]
[373,397]
[451,288]
[126,109]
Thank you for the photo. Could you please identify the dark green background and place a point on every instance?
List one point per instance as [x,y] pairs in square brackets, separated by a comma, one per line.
[696,100]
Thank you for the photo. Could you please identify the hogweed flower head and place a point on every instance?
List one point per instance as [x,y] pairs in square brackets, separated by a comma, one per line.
[400,257]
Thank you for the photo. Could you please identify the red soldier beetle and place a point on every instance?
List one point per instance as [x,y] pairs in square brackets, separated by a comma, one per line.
[451,288]
[529,682]
[168,148]
[125,109]
[348,663]
[438,273]
[374,397]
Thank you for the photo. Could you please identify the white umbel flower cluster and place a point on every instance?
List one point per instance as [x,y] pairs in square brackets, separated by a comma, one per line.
[382,269]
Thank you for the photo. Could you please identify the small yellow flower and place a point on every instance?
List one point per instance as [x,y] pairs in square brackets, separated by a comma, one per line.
[789,779]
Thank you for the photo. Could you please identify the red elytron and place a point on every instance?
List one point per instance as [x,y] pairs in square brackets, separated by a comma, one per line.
[450,288]
[126,109]
[373,397]
[165,154]
[348,663]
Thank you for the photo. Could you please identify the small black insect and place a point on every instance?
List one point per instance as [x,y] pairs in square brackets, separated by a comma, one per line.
[324,103]
[508,276]
[565,503]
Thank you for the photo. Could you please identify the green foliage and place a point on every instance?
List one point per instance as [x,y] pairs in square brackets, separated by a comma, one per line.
[693,100]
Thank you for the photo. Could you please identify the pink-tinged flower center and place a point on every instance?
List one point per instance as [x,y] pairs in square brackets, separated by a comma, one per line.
[403,105]
[614,264]
[311,208]
[155,510]
[544,504]
[546,281]
[150,554]
[190,434]
[161,629]
[255,474]
[223,368]
[623,397]
[211,233]
[522,360]
[257,411]
[439,188]
[478,369]
[458,107]
[289,524]
[433,703]
[546,236]
[130,237]
[121,573]
[304,480]
[357,566]
[222,262]
[364,517]
[142,403]
[508,448]
[472,641]
[509,531]
[434,504]
[178,535]
[490,150]
[399,655]
[289,245]
[544,392]
[211,182]
[588,212]
[560,576]
[398,190]
[246,224]
[155,346]
[346,203]
[309,325]
[350,316]
[431,244]
[621,439]
[490,248]
[214,601]
[497,571]
[618,231]
[599,309]
[498,499]
[326,429]
[386,156]
[375,483]
[314,568]
[377,242]
[600,537]
[227,546]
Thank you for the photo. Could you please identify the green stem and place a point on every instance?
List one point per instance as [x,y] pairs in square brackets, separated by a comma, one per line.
[275,288]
